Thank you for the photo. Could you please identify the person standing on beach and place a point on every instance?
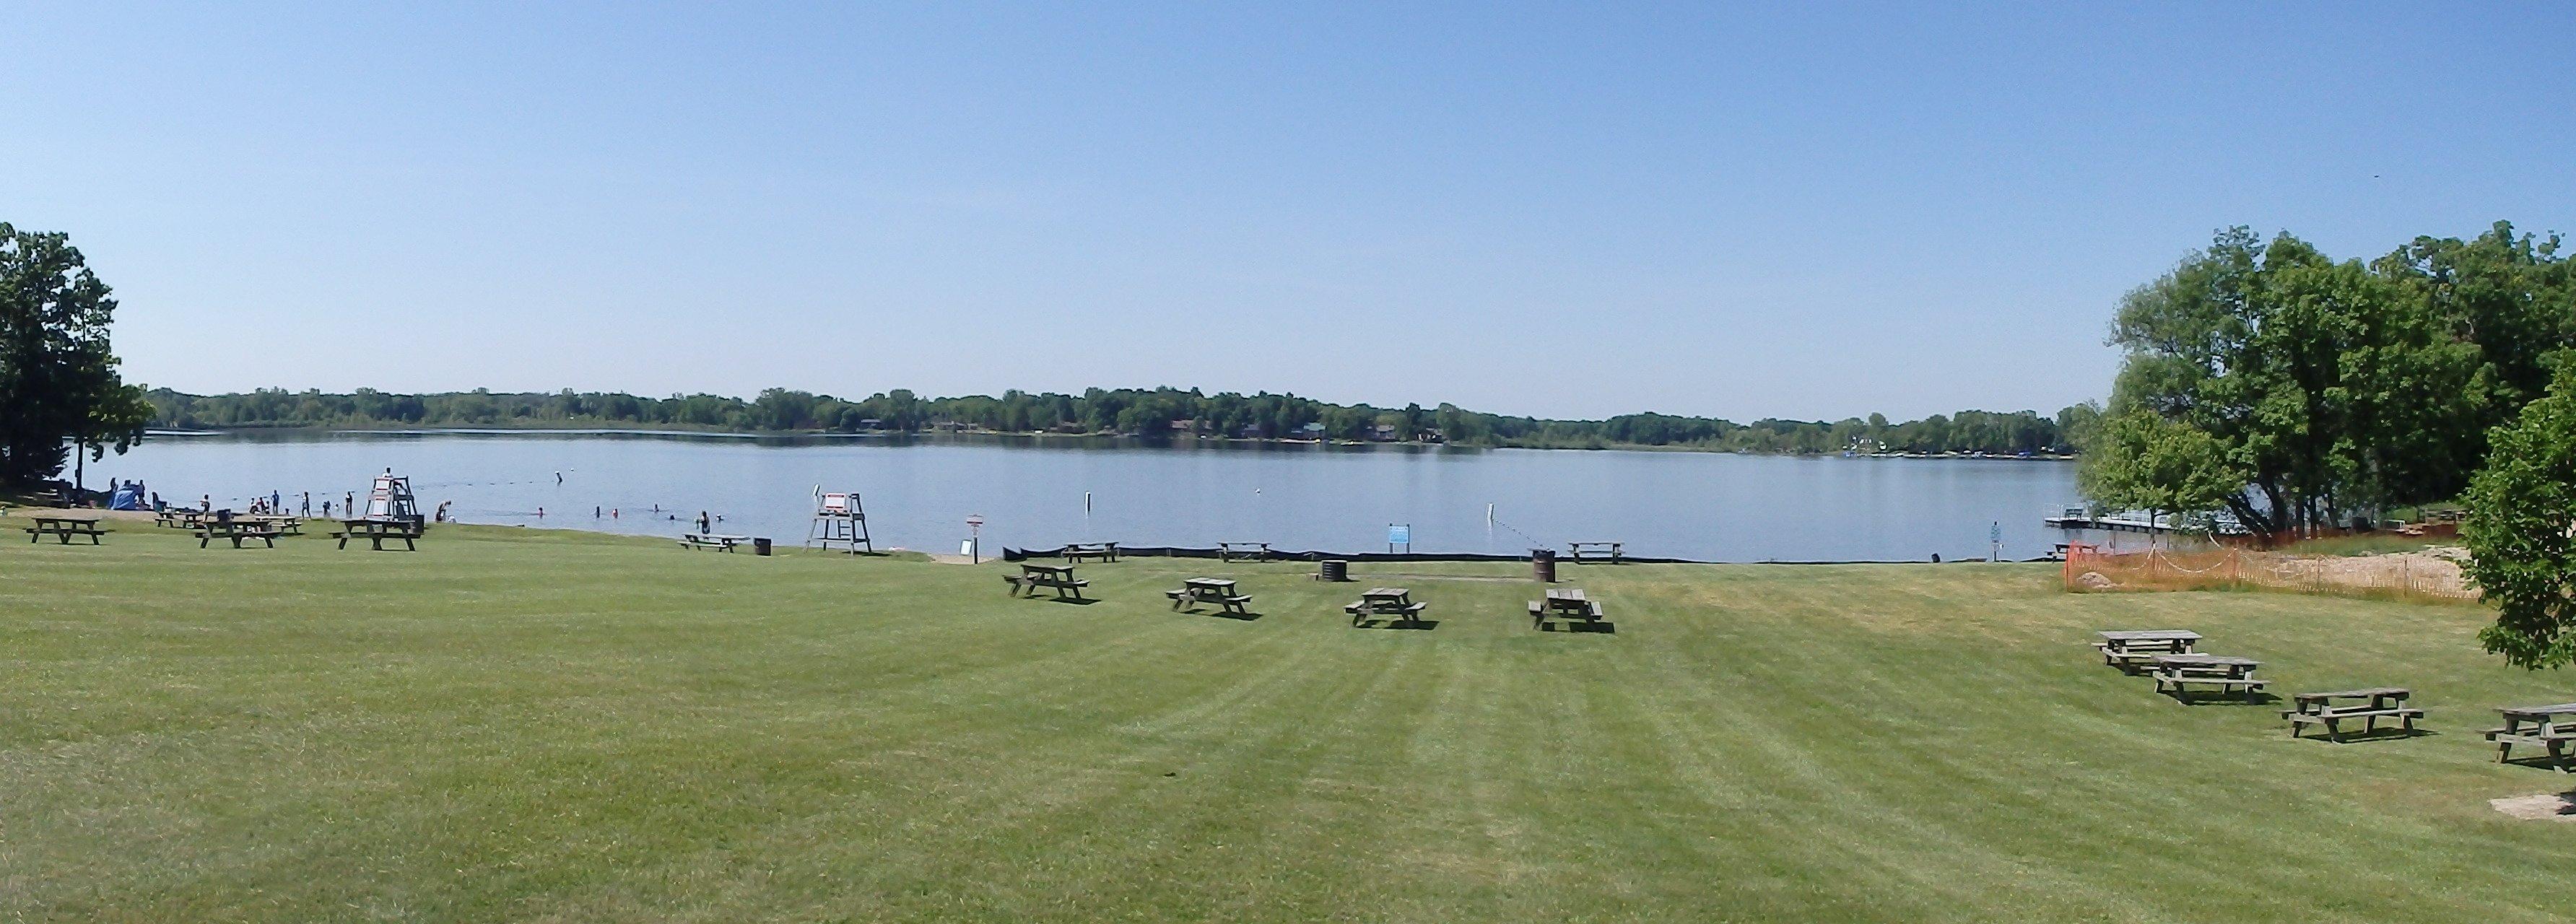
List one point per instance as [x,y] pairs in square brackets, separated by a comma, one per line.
[308,504]
[349,503]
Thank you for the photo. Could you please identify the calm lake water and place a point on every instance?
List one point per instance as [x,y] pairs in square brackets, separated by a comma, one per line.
[1033,494]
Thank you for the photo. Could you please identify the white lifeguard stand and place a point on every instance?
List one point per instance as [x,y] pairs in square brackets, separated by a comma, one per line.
[838,517]
[390,499]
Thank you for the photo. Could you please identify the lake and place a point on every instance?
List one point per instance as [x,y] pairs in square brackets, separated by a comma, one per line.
[1043,493]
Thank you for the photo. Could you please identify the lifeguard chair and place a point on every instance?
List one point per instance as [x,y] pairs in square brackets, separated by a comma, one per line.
[390,499]
[838,517]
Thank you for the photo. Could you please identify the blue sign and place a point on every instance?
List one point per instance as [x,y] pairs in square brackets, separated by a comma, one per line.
[1399,534]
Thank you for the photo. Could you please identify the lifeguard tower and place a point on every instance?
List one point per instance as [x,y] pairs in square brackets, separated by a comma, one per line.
[839,518]
[390,499]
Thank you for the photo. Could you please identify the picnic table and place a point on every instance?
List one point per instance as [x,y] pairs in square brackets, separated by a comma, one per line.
[2129,648]
[285,525]
[1599,551]
[1568,602]
[178,517]
[1104,551]
[2173,672]
[1055,577]
[377,532]
[1205,590]
[63,528]
[1256,551]
[237,531]
[2547,727]
[1386,601]
[718,541]
[2369,705]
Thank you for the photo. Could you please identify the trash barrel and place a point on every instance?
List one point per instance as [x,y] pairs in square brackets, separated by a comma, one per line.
[760,545]
[1334,569]
[1543,565]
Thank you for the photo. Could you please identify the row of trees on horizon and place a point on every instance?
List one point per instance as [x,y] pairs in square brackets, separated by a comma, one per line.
[1152,413]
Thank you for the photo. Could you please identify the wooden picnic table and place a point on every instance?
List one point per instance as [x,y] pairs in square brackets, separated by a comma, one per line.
[284,524]
[1568,602]
[2370,705]
[1386,601]
[2546,727]
[2173,672]
[2129,648]
[1104,551]
[177,517]
[63,528]
[1218,592]
[1256,551]
[718,541]
[1056,577]
[1599,551]
[237,531]
[377,532]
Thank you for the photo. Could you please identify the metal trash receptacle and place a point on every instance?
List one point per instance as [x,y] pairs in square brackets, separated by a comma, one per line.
[1333,569]
[1543,565]
[760,545]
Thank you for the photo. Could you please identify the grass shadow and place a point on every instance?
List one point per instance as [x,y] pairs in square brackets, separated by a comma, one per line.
[1423,624]
[2213,698]
[1600,627]
[2387,733]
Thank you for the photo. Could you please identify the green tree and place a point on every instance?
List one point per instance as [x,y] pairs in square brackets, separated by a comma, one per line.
[2521,531]
[2332,388]
[2139,461]
[58,380]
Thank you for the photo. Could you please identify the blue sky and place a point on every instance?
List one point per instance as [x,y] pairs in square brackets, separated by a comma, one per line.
[1564,210]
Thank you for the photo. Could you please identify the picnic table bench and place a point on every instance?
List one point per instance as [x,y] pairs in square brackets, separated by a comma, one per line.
[1598,550]
[1104,551]
[1568,602]
[64,528]
[378,532]
[2369,705]
[719,542]
[2549,727]
[2131,648]
[236,531]
[1212,591]
[1386,601]
[2174,672]
[1256,551]
[1058,578]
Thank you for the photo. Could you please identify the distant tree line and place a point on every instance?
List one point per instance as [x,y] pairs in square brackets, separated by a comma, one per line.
[1161,413]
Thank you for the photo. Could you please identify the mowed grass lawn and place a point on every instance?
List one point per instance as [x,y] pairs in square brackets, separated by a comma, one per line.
[544,726]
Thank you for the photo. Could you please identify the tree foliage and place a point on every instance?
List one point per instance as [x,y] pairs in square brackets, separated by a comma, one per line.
[2336,388]
[1151,413]
[58,379]
[2521,531]
[2140,461]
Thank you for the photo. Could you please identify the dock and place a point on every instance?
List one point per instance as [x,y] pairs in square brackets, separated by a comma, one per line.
[2078,519]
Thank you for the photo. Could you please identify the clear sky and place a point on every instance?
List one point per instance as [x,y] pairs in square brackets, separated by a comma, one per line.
[1570,210]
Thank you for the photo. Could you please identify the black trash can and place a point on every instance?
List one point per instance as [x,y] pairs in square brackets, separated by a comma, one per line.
[1333,569]
[1543,565]
[760,545]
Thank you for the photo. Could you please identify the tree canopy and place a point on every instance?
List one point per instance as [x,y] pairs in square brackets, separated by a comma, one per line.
[1151,413]
[58,380]
[2335,388]
[2521,531]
